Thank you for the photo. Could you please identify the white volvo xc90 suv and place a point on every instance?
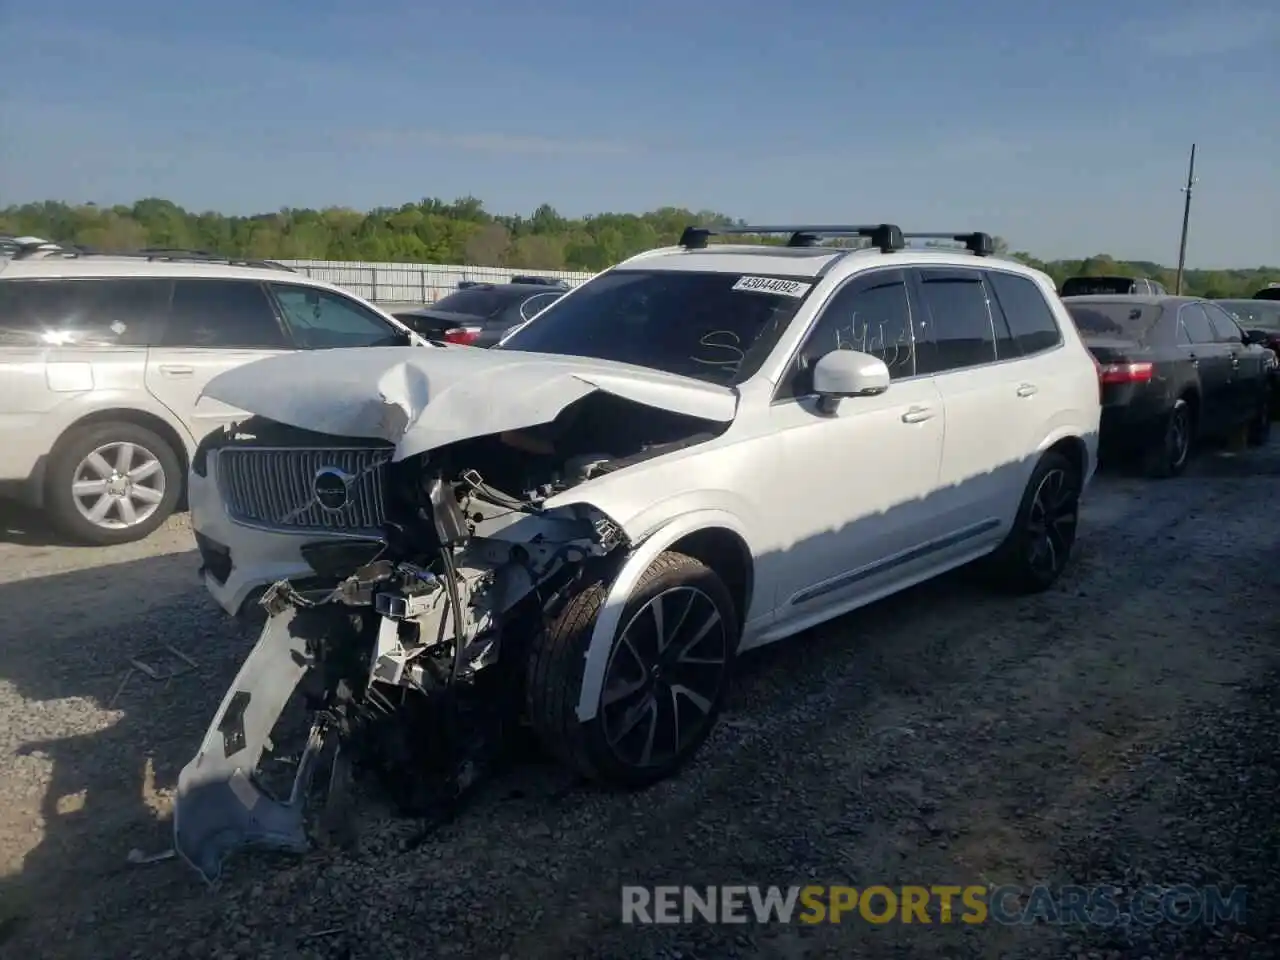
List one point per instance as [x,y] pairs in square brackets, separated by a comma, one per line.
[705,449]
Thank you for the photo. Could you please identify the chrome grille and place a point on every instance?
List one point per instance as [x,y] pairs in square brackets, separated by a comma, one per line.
[274,487]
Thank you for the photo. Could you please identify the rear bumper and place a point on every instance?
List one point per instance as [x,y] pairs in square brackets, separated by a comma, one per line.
[1129,425]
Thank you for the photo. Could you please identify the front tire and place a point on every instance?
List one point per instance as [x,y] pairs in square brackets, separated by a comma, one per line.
[665,683]
[112,483]
[1039,546]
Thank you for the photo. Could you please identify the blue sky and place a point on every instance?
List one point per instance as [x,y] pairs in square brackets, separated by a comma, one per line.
[1063,127]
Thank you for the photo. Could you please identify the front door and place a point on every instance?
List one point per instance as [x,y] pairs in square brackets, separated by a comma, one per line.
[213,326]
[860,480]
[1212,361]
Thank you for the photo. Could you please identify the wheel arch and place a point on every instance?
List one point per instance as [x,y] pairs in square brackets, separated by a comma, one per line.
[715,537]
[138,418]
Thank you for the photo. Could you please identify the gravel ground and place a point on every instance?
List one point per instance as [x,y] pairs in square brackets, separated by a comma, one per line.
[1121,729]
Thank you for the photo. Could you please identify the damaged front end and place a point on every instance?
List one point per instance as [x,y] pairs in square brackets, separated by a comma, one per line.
[411,667]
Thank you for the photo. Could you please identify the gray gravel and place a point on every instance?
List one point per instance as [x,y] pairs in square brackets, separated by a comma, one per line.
[1121,727]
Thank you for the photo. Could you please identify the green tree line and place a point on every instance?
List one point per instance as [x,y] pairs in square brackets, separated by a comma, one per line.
[463,232]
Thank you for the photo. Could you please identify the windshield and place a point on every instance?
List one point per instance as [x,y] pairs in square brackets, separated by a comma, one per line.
[476,302]
[1121,319]
[1255,314]
[1088,286]
[717,327]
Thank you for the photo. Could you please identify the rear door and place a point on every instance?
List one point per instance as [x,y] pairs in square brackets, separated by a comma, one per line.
[213,326]
[62,339]
[1212,361]
[1038,385]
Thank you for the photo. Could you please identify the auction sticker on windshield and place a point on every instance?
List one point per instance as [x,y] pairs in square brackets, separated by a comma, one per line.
[786,288]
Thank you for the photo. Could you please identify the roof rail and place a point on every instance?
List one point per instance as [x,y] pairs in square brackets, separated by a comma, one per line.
[979,244]
[204,256]
[538,281]
[70,250]
[886,236]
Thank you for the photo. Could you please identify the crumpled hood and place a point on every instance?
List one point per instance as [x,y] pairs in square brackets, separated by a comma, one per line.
[423,399]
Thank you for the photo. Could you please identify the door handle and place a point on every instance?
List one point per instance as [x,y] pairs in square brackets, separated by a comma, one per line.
[1028,390]
[176,370]
[917,415]
[1235,360]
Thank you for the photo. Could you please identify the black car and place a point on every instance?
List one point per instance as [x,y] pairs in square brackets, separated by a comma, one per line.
[478,314]
[1102,286]
[1260,318]
[1173,370]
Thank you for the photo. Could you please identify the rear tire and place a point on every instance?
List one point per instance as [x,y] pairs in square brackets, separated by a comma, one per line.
[111,483]
[1168,454]
[663,694]
[1039,546]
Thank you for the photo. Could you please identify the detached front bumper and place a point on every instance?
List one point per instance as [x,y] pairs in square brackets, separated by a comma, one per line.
[219,807]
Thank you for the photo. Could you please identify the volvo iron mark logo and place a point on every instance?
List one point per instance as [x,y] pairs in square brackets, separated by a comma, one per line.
[332,488]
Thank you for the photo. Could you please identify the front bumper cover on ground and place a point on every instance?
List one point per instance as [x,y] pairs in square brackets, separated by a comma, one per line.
[219,807]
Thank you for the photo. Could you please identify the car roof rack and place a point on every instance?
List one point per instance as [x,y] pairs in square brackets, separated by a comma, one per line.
[887,237]
[181,254]
[168,254]
[538,281]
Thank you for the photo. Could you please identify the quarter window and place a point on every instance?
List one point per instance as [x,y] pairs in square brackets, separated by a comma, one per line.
[222,313]
[870,314]
[1031,322]
[957,320]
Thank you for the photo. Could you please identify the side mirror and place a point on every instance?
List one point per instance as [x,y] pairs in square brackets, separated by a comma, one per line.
[848,373]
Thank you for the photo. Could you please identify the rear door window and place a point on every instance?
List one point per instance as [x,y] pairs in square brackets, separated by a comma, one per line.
[1196,322]
[229,314]
[86,312]
[1223,326]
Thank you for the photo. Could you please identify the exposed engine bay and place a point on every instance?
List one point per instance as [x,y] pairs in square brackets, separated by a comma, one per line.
[409,662]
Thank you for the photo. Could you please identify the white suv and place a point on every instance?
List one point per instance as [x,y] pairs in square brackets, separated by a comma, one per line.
[102,359]
[702,450]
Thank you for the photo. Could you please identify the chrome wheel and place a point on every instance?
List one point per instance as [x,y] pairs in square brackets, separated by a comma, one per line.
[664,677]
[1051,523]
[118,485]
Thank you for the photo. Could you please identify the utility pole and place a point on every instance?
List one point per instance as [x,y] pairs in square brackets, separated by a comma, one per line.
[1186,217]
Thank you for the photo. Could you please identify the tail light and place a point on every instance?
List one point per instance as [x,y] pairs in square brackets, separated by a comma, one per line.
[1126,373]
[464,335]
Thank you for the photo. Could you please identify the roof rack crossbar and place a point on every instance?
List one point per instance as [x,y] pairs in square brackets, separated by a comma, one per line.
[886,236]
[980,244]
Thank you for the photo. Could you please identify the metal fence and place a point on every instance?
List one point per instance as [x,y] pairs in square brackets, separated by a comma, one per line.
[414,282]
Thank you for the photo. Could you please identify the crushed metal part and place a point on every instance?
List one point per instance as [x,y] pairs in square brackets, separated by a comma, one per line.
[408,668]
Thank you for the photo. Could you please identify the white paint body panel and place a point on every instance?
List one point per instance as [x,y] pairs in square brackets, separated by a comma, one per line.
[836,509]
